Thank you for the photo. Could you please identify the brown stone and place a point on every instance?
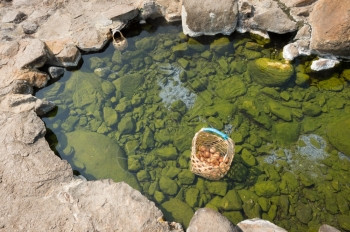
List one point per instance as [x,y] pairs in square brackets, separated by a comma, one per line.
[330,27]
[34,78]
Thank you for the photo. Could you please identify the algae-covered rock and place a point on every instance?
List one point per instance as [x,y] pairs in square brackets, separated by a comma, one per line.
[186,177]
[248,158]
[128,84]
[96,62]
[217,187]
[302,79]
[101,157]
[167,152]
[146,44]
[289,183]
[108,88]
[231,201]
[332,84]
[338,134]
[195,45]
[168,186]
[86,90]
[182,47]
[231,88]
[147,139]
[183,62]
[134,164]
[266,189]
[110,116]
[312,109]
[344,221]
[143,175]
[345,74]
[177,210]
[220,45]
[234,216]
[126,125]
[215,203]
[280,111]
[191,196]
[304,213]
[158,196]
[286,133]
[270,72]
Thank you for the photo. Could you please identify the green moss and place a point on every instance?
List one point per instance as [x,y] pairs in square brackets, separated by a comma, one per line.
[231,88]
[248,158]
[126,125]
[167,152]
[179,211]
[110,116]
[215,203]
[345,74]
[146,44]
[289,183]
[264,203]
[159,196]
[344,221]
[304,213]
[332,84]
[134,163]
[269,72]
[280,111]
[171,172]
[142,175]
[286,133]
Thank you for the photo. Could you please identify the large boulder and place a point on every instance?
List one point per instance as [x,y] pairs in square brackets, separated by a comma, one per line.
[331,28]
[209,17]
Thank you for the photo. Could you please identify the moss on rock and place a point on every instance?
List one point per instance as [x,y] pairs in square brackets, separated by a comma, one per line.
[177,210]
[270,72]
[338,134]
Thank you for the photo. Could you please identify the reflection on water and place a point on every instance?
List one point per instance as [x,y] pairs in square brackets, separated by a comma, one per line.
[131,115]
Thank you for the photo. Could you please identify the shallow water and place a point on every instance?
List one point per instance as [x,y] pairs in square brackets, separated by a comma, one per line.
[131,116]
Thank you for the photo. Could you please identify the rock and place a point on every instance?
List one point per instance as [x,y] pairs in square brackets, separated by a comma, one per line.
[146,44]
[102,72]
[287,133]
[186,177]
[266,189]
[269,72]
[231,201]
[217,187]
[332,84]
[252,225]
[338,134]
[168,186]
[280,111]
[237,88]
[304,213]
[248,158]
[206,219]
[167,152]
[56,72]
[209,17]
[344,221]
[289,183]
[110,116]
[14,16]
[324,64]
[266,21]
[34,78]
[29,27]
[346,74]
[126,125]
[32,54]
[191,196]
[108,88]
[327,228]
[65,53]
[175,209]
[220,45]
[311,109]
[330,28]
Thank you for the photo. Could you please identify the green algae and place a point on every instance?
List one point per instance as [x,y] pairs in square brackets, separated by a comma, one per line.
[263,107]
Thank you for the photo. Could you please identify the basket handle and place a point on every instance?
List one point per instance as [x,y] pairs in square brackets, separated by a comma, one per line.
[215,131]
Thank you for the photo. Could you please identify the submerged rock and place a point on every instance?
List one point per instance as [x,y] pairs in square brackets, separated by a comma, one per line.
[338,134]
[269,72]
[100,156]
[179,210]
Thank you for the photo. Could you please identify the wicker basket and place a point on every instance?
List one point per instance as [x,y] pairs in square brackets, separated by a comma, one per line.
[212,153]
[119,41]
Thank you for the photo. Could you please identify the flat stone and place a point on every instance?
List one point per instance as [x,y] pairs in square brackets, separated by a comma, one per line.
[327,228]
[209,17]
[324,64]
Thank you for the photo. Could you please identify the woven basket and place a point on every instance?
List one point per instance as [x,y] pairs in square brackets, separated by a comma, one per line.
[119,41]
[212,153]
